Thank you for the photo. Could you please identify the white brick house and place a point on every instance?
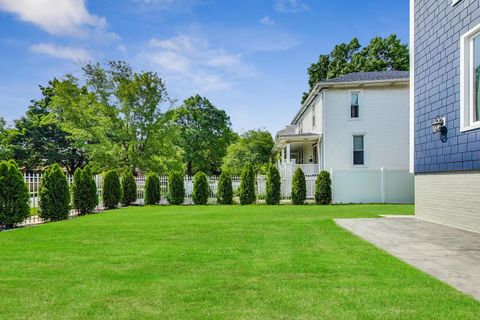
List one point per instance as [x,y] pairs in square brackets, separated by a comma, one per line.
[357,123]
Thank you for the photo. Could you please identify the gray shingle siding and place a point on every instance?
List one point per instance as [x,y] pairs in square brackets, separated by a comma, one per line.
[438,28]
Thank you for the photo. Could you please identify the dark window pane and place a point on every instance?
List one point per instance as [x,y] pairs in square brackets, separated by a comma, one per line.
[476,78]
[357,157]
[354,111]
[358,143]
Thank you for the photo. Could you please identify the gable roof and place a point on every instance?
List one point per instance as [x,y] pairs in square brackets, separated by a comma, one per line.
[369,76]
[354,79]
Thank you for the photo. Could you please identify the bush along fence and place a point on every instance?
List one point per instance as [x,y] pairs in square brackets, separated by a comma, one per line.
[89,193]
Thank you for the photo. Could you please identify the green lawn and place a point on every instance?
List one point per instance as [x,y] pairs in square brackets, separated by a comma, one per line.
[215,262]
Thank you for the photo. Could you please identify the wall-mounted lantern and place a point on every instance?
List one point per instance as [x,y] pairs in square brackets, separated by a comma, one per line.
[439,124]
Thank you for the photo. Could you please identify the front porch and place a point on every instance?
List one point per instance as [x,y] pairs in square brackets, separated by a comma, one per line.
[298,151]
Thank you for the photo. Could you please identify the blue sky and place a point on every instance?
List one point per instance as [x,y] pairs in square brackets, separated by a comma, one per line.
[249,57]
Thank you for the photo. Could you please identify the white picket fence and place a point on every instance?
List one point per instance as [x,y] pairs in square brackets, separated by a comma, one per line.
[348,186]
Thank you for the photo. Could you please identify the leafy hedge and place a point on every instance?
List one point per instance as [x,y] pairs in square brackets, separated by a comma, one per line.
[14,197]
[247,186]
[201,190]
[54,195]
[299,188]
[129,189]
[112,190]
[225,189]
[84,190]
[323,188]
[273,185]
[152,189]
[176,188]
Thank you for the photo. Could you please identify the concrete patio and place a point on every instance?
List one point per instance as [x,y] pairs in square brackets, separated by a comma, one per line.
[449,254]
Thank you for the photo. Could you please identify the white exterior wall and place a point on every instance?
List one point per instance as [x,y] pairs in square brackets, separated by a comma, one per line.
[384,121]
[307,116]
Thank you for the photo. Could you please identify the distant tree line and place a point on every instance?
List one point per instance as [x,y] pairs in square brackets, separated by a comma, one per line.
[114,117]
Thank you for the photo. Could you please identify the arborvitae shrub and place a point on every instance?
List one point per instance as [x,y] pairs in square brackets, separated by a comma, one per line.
[273,185]
[225,189]
[14,197]
[152,189]
[323,188]
[84,190]
[129,188]
[299,188]
[54,195]
[201,190]
[247,186]
[176,188]
[112,190]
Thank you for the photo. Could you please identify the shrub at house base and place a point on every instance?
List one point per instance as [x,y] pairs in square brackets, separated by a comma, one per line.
[129,189]
[152,189]
[176,188]
[201,190]
[273,185]
[224,189]
[84,190]
[323,188]
[54,195]
[14,197]
[112,191]
[299,188]
[247,186]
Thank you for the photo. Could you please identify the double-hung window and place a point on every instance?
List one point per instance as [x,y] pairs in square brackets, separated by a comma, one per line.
[358,150]
[470,80]
[354,105]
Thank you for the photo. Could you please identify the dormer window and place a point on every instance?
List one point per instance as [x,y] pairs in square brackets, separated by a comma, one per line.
[354,105]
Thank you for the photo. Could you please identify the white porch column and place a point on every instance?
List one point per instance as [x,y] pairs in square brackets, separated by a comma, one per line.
[288,153]
[283,155]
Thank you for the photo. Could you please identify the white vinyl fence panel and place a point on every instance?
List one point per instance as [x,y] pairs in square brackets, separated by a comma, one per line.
[348,186]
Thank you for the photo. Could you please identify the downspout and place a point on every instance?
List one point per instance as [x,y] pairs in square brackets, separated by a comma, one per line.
[323,129]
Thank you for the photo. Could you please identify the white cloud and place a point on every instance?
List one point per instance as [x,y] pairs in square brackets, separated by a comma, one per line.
[57,17]
[291,6]
[267,21]
[61,52]
[193,62]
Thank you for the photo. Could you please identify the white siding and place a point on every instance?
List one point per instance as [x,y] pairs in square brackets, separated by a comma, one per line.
[307,118]
[384,120]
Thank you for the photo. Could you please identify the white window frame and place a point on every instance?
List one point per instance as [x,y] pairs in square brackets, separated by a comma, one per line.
[364,150]
[467,107]
[350,92]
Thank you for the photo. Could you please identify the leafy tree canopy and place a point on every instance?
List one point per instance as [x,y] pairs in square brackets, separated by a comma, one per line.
[205,134]
[38,142]
[5,146]
[253,147]
[379,55]
[116,114]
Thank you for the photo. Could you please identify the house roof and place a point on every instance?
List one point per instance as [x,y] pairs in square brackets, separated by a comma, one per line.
[369,76]
[355,79]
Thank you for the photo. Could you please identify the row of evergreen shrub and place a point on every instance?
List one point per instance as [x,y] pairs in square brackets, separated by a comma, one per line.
[55,193]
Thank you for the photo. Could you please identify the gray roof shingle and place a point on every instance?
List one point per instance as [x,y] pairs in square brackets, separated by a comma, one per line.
[369,76]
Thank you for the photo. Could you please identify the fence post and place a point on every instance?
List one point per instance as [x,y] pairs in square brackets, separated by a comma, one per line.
[331,179]
[382,183]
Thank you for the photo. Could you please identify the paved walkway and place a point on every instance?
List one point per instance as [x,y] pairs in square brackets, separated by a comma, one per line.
[449,254]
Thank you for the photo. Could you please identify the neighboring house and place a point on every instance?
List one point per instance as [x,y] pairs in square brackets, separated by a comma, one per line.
[445,37]
[357,124]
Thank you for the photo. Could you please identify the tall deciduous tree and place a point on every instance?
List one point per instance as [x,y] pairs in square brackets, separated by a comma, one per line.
[205,134]
[379,55]
[38,141]
[253,147]
[5,146]
[117,116]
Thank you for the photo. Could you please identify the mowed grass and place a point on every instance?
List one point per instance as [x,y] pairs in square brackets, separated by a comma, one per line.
[215,262]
